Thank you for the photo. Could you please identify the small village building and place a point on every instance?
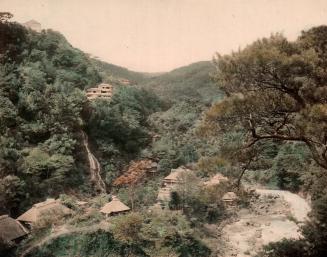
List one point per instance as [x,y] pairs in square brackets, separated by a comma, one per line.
[11,230]
[153,168]
[125,82]
[216,180]
[230,198]
[170,183]
[103,90]
[33,25]
[174,178]
[114,207]
[49,206]
[164,194]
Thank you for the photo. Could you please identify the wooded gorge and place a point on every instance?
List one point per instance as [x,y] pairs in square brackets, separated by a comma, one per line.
[256,117]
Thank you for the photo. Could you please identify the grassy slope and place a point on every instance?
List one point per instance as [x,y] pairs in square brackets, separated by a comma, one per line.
[189,82]
[109,70]
[192,82]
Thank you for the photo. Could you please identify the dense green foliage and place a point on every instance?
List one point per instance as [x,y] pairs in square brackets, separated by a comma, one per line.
[187,92]
[276,95]
[192,82]
[41,81]
[276,91]
[270,128]
[120,129]
[200,204]
[98,243]
[134,234]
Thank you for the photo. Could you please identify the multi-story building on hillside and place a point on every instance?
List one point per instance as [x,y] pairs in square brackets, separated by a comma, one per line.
[101,91]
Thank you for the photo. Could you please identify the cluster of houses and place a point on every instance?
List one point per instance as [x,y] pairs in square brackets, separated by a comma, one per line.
[175,178]
[14,230]
[104,91]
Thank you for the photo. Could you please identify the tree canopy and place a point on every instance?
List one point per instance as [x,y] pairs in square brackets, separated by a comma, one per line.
[276,91]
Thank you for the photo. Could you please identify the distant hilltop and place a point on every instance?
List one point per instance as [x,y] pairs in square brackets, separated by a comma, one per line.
[33,24]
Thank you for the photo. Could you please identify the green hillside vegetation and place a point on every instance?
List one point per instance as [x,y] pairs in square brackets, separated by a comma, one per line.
[186,93]
[41,99]
[276,112]
[44,110]
[119,129]
[189,82]
[112,73]
[257,115]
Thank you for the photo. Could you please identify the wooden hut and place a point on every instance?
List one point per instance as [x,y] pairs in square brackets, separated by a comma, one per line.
[174,177]
[101,91]
[230,198]
[216,180]
[49,206]
[164,194]
[11,230]
[114,207]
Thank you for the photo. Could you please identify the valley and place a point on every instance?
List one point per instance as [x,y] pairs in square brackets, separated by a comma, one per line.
[213,159]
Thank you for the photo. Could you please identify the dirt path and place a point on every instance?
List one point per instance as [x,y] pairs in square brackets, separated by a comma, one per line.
[62,231]
[95,168]
[298,206]
[267,220]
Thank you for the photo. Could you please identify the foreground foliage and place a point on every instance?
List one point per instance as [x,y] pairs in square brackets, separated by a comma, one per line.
[41,103]
[276,94]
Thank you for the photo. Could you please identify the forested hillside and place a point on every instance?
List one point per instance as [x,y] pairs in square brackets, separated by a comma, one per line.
[44,110]
[114,73]
[42,101]
[274,121]
[252,119]
[191,82]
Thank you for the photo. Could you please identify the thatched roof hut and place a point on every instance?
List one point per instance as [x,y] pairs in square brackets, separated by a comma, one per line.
[48,206]
[114,207]
[229,197]
[216,180]
[11,229]
[174,176]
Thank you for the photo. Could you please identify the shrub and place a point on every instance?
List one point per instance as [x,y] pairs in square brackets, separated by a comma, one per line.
[285,248]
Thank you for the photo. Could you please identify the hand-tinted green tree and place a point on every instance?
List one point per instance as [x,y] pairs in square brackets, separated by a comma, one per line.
[40,110]
[276,91]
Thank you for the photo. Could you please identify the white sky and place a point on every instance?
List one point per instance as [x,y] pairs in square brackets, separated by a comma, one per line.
[159,35]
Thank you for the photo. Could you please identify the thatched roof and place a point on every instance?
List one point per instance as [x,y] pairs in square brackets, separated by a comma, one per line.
[175,174]
[230,196]
[50,205]
[216,180]
[115,206]
[11,229]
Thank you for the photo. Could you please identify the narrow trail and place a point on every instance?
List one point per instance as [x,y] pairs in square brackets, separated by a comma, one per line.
[298,206]
[95,168]
[62,232]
